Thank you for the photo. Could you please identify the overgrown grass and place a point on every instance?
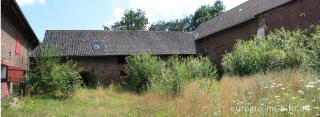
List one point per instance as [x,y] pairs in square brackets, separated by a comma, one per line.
[298,88]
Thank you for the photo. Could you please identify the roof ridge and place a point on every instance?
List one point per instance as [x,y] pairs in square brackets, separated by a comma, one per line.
[119,30]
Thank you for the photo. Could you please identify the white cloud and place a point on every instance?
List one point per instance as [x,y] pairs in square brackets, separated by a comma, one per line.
[28,2]
[42,1]
[232,3]
[116,16]
[167,9]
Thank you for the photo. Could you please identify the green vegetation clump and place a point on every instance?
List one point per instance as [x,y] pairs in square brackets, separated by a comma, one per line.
[50,77]
[149,72]
[279,50]
[141,68]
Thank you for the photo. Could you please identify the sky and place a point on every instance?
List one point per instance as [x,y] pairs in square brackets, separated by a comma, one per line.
[45,15]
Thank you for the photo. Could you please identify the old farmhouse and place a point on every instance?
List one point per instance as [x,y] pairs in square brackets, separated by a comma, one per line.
[17,40]
[104,51]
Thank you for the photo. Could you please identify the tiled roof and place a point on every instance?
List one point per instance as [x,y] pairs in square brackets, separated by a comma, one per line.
[105,43]
[242,13]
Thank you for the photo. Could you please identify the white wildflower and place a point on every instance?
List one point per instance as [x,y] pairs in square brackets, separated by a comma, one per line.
[283,88]
[266,87]
[309,86]
[293,98]
[280,85]
[318,89]
[276,96]
[311,83]
[306,108]
[300,91]
[283,109]
[318,81]
[272,86]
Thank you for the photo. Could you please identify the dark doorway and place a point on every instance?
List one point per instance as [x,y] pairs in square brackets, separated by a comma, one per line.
[85,78]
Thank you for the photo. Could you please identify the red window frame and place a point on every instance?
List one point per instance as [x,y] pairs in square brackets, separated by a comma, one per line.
[18,45]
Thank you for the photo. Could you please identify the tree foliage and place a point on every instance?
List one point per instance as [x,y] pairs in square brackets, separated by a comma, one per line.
[191,22]
[172,25]
[132,20]
[206,12]
[136,20]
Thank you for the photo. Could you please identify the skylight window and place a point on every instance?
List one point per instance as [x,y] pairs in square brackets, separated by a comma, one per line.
[95,46]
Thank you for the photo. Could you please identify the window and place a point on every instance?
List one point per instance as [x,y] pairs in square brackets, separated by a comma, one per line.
[261,32]
[123,74]
[3,73]
[121,60]
[18,45]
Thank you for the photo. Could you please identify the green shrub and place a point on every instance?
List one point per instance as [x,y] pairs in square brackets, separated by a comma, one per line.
[50,77]
[279,50]
[151,73]
[140,69]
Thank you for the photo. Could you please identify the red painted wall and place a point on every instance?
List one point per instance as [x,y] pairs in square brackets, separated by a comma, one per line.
[4,89]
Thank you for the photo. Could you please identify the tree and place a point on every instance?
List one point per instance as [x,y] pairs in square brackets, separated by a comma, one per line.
[172,25]
[105,27]
[206,12]
[132,20]
[191,22]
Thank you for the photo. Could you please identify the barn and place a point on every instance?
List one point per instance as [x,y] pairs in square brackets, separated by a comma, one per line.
[104,52]
[254,17]
[17,40]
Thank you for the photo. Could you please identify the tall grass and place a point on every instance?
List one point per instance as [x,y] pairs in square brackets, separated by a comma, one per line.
[277,93]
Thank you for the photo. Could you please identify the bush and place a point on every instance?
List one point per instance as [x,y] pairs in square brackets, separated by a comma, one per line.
[149,72]
[279,50]
[50,77]
[141,68]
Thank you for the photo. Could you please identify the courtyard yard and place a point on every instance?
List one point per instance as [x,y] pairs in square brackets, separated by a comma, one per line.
[286,93]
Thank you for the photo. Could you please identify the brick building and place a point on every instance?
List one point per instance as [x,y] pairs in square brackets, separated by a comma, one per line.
[104,52]
[17,40]
[253,17]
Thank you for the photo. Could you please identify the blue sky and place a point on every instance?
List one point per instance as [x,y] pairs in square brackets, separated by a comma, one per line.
[93,14]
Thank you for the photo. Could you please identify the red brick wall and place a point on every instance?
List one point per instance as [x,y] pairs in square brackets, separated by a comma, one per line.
[106,68]
[298,14]
[9,32]
[218,43]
